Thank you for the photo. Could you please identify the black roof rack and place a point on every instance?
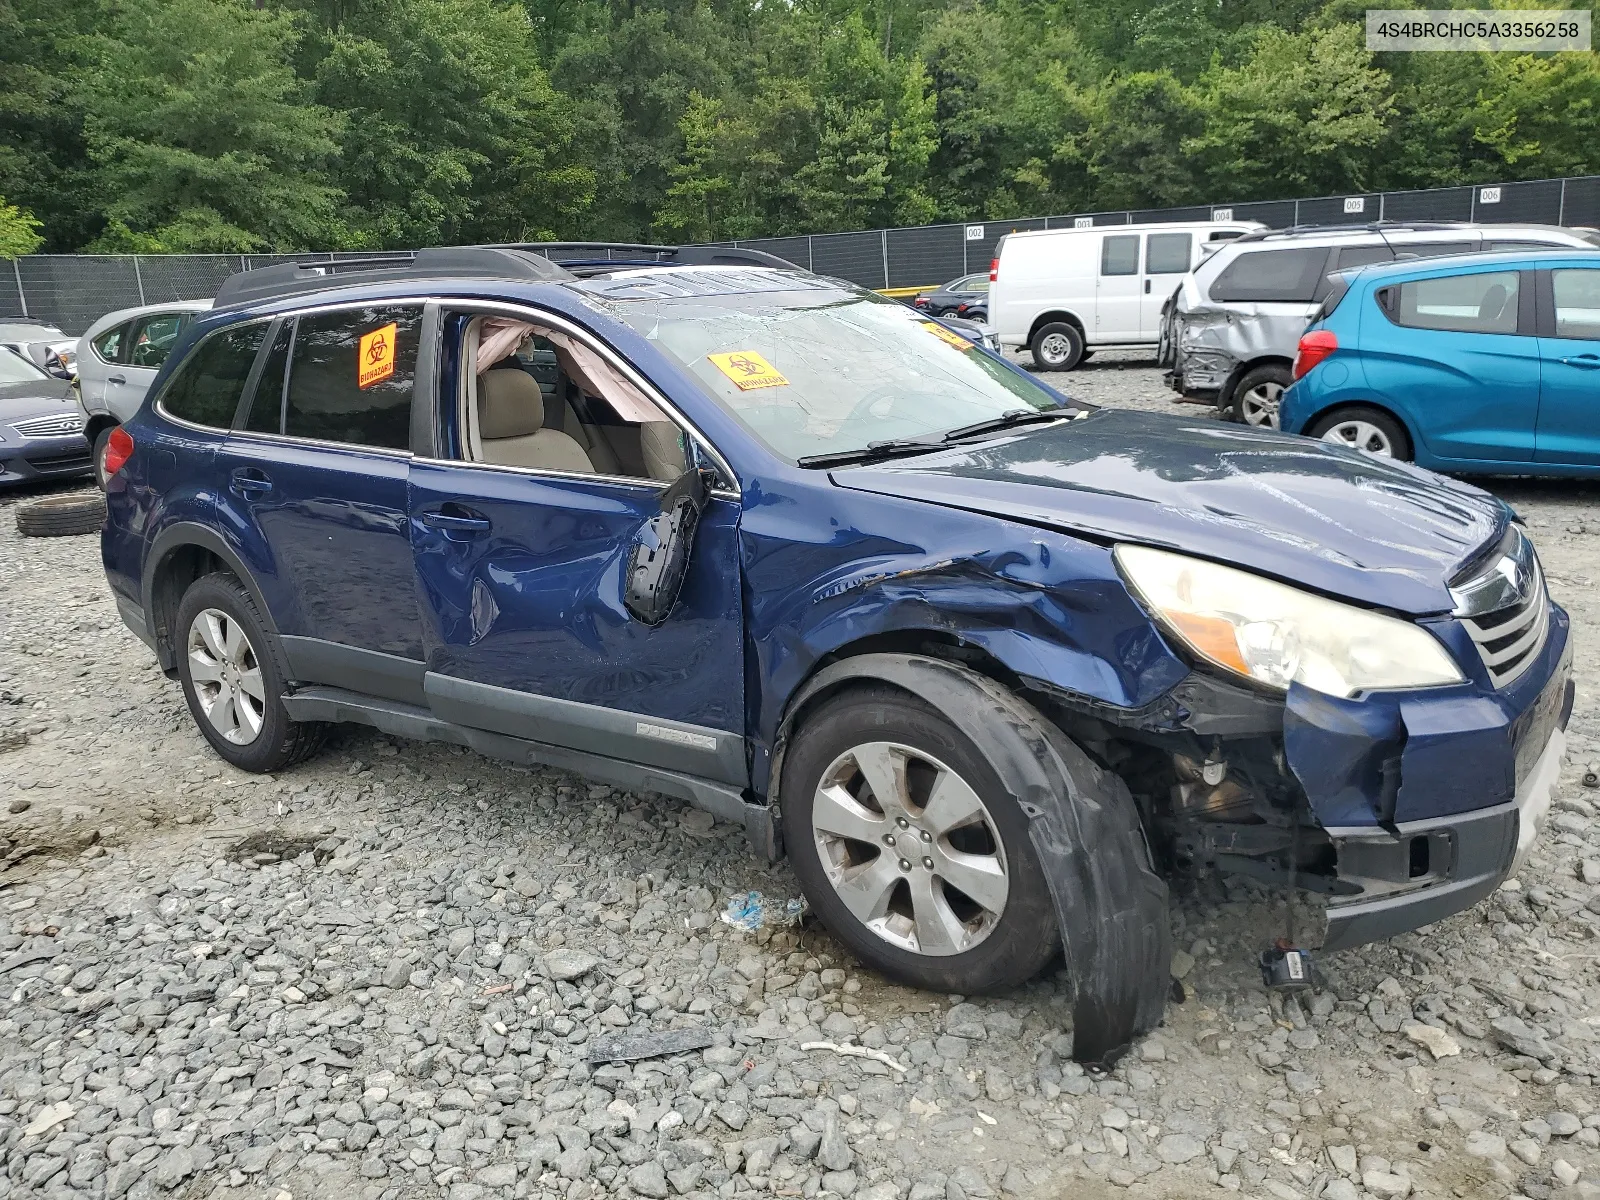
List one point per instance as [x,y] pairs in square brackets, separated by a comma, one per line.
[590,254]
[1257,235]
[474,262]
[541,262]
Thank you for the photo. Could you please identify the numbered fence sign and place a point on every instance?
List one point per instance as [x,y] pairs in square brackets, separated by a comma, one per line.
[974,233]
[1355,204]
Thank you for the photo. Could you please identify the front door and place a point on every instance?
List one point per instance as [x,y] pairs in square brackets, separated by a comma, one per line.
[1117,290]
[1569,396]
[522,547]
[317,483]
[1166,262]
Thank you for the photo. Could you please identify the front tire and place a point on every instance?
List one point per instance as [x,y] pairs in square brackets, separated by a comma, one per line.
[233,681]
[909,848]
[1057,346]
[1363,428]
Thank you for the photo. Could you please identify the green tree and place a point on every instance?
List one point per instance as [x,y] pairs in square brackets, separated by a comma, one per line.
[19,231]
[202,136]
[1301,115]
[450,130]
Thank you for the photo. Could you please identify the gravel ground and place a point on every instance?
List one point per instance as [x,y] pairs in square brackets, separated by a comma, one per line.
[379,974]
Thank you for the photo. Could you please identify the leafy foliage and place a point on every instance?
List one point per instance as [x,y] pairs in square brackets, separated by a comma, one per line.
[261,125]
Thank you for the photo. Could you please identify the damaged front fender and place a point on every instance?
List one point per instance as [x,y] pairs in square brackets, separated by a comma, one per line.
[1110,904]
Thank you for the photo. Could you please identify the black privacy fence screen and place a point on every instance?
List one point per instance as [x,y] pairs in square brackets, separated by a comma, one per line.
[74,290]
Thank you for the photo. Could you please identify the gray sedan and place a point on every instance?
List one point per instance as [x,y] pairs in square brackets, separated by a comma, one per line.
[41,427]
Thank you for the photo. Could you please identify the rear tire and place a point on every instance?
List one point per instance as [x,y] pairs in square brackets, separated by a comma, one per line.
[1057,346]
[62,516]
[1257,396]
[904,907]
[1364,428]
[233,679]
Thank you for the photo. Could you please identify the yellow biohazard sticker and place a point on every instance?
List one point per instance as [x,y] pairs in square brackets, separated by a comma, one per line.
[946,336]
[375,358]
[748,370]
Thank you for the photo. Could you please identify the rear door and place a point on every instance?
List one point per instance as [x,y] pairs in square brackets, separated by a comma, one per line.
[316,483]
[107,356]
[150,339]
[1457,353]
[1117,295]
[1569,350]
[522,570]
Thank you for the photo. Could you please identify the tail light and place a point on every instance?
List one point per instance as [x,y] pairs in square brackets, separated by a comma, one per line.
[119,449]
[1314,347]
[994,269]
[962,307]
[921,302]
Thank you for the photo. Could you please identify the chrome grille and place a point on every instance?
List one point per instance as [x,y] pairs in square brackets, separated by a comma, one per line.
[1506,611]
[55,426]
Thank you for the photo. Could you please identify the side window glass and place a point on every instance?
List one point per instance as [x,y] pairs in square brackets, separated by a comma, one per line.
[1271,276]
[1577,295]
[1361,256]
[350,376]
[153,338]
[266,406]
[1435,249]
[1119,254]
[207,386]
[1168,254]
[109,344]
[1485,303]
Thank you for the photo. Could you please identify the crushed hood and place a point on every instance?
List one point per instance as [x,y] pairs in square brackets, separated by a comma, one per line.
[1312,514]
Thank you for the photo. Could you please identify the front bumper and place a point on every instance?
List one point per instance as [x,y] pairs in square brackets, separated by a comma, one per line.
[1427,870]
[33,460]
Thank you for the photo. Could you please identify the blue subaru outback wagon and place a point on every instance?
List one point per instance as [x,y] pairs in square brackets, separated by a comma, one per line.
[987,665]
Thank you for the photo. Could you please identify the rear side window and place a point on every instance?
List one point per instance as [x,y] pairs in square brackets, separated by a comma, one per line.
[1485,303]
[266,406]
[350,376]
[1119,254]
[1167,254]
[1283,276]
[109,344]
[206,387]
[1577,295]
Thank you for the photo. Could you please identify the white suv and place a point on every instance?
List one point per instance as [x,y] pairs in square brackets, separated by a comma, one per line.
[1229,332]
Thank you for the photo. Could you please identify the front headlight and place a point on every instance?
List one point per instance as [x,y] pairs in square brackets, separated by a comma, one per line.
[1279,635]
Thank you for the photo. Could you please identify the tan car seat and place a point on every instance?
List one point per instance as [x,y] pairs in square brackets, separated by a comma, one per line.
[511,426]
[661,445]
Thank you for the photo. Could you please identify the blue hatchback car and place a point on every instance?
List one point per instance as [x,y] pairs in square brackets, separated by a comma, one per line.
[988,666]
[1488,364]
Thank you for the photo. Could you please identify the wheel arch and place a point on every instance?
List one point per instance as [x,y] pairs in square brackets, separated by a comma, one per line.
[1388,410]
[97,424]
[180,554]
[1051,317]
[1110,905]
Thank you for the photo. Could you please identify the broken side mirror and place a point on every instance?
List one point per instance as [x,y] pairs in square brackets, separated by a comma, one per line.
[659,558]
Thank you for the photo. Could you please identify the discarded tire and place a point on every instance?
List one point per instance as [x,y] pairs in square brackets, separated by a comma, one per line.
[60,516]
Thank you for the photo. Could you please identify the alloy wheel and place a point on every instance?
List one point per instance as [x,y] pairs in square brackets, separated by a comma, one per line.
[910,848]
[1363,435]
[1259,406]
[226,676]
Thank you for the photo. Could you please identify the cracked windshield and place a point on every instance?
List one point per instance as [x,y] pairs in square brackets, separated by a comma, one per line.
[830,371]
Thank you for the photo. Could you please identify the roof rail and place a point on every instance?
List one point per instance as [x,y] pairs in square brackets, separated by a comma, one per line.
[1355,227]
[635,253]
[476,262]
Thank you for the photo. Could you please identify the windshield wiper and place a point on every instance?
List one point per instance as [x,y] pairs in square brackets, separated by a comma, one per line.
[871,452]
[1007,420]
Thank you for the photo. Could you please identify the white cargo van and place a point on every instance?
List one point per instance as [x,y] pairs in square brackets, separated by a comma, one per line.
[1065,292]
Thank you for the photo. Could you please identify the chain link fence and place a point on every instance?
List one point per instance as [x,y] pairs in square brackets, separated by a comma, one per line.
[74,290]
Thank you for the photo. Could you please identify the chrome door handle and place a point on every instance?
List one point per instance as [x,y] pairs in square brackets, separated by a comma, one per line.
[248,481]
[455,523]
